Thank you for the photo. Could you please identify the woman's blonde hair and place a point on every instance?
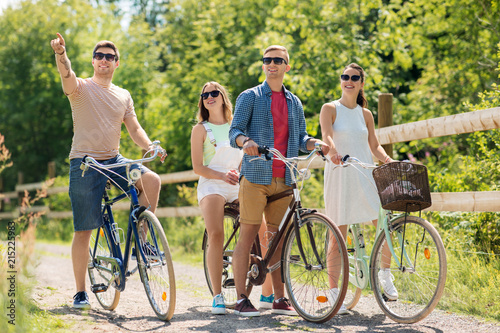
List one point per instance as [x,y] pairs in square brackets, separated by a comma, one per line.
[203,113]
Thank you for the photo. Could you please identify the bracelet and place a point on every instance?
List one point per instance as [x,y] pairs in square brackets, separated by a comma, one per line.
[246,140]
[387,158]
[60,53]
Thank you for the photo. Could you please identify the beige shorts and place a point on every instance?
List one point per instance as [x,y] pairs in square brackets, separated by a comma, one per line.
[253,202]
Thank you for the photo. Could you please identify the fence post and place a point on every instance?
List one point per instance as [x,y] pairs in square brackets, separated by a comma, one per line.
[20,195]
[2,200]
[51,166]
[385,117]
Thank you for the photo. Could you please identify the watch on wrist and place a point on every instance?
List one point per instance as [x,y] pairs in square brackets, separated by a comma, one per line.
[246,140]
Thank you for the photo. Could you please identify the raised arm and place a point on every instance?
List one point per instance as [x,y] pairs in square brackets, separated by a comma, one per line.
[68,77]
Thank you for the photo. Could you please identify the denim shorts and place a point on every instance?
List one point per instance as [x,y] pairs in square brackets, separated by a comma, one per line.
[86,192]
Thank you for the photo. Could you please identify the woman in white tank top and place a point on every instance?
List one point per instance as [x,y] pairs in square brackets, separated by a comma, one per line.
[217,163]
[348,127]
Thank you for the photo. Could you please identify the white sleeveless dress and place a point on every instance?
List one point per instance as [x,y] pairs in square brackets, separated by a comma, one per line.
[349,196]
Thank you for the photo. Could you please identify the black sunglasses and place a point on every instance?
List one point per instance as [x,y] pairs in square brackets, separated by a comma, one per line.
[214,94]
[100,56]
[277,61]
[354,78]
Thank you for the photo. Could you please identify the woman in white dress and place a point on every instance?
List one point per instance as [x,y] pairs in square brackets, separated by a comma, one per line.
[217,163]
[348,127]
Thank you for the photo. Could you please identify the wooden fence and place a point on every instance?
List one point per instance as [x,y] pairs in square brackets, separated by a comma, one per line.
[482,120]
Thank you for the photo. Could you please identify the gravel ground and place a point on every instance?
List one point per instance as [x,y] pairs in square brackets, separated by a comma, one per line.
[55,289]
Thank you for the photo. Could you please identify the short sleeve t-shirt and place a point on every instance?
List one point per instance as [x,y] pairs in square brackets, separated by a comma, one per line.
[98,113]
[279,110]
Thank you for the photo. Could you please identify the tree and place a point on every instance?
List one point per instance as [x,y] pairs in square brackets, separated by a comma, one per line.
[35,116]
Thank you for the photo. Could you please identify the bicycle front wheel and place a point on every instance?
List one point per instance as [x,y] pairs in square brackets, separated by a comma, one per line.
[156,268]
[101,271]
[309,283]
[421,275]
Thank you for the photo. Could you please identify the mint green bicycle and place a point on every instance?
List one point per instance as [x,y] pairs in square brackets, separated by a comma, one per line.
[417,263]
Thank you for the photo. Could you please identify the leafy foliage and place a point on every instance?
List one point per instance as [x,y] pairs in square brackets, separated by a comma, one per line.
[424,52]
[437,58]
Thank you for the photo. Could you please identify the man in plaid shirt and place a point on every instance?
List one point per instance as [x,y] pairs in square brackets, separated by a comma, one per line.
[266,115]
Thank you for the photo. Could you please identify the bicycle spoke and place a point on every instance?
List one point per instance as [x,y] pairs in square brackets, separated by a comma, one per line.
[309,286]
[101,273]
[156,271]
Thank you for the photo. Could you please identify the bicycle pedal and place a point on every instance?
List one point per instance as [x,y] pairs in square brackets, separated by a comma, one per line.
[99,288]
[228,283]
[386,299]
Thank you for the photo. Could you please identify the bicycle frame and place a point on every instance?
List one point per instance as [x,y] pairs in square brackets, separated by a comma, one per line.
[119,262]
[387,219]
[383,227]
[293,213]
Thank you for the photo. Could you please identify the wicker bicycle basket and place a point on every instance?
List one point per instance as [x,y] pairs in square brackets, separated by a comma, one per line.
[403,186]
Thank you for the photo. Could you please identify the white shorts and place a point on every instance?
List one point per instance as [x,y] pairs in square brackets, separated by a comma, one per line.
[217,186]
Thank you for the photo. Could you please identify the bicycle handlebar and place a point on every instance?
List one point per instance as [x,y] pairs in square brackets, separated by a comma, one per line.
[276,153]
[350,160]
[87,160]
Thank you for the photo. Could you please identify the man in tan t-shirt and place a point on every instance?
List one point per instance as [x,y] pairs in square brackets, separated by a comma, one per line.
[99,108]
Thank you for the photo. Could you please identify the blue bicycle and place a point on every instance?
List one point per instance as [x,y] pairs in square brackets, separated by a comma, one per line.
[108,266]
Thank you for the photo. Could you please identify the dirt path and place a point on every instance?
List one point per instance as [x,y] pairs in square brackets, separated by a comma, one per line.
[55,288]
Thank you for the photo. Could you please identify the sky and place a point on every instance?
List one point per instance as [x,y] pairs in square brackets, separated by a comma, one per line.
[5,3]
[125,6]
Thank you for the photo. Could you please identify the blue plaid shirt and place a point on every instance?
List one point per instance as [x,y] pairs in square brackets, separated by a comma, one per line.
[253,118]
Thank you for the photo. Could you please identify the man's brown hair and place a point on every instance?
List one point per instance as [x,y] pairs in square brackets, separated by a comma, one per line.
[280,48]
[107,43]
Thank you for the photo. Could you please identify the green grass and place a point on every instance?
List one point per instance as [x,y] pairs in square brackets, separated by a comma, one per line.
[472,284]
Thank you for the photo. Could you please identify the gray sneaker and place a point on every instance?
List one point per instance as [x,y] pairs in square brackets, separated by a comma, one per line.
[81,300]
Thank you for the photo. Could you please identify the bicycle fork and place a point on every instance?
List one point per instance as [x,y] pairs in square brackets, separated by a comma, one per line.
[297,223]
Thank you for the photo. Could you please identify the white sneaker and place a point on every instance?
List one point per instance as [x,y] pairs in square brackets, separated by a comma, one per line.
[334,293]
[385,277]
[218,305]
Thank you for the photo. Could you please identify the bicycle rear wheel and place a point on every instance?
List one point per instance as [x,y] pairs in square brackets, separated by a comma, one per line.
[421,278]
[156,268]
[308,286]
[231,234]
[100,271]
